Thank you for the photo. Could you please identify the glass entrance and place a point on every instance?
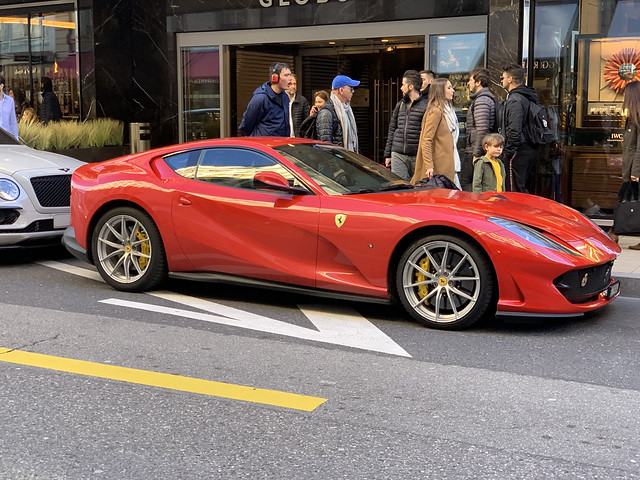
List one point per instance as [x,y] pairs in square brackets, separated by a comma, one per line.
[201,92]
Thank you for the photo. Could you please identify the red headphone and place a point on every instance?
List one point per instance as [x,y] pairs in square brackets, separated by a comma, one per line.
[275,76]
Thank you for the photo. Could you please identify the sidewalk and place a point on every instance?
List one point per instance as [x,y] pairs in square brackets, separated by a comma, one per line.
[627,268]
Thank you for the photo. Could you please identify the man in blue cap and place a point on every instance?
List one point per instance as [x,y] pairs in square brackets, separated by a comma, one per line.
[336,123]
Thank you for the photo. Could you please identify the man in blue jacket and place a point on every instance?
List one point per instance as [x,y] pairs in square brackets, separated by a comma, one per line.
[268,111]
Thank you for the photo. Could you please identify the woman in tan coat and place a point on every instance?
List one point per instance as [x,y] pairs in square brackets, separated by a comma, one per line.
[437,152]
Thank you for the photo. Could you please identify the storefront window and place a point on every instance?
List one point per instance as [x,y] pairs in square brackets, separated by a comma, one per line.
[584,55]
[36,45]
[201,92]
[454,57]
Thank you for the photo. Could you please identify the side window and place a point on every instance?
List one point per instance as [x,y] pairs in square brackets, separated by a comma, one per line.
[184,163]
[235,167]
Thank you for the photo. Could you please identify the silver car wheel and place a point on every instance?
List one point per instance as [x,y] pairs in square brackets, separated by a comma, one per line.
[124,249]
[441,282]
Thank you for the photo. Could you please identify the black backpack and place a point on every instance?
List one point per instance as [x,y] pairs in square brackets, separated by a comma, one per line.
[536,128]
[308,128]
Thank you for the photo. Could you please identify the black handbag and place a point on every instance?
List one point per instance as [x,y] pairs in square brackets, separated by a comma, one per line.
[626,218]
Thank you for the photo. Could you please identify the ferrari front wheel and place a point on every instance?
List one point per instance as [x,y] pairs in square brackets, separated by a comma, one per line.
[445,282]
[128,250]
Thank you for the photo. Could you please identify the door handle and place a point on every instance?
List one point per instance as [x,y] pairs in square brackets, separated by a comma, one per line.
[184,201]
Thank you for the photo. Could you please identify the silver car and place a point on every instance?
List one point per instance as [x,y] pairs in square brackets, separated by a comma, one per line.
[35,190]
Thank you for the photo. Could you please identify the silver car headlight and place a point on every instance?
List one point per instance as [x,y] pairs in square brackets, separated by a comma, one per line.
[531,235]
[9,189]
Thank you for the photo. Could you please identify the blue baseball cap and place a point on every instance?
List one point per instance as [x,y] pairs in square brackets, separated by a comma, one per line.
[343,81]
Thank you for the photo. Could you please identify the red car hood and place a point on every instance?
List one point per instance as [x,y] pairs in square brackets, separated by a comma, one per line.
[543,214]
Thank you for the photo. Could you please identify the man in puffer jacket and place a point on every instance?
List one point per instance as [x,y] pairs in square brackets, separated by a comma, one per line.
[336,123]
[405,126]
[519,156]
[267,113]
[481,117]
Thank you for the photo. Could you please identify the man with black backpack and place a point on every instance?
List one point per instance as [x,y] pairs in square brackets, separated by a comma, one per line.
[481,120]
[520,149]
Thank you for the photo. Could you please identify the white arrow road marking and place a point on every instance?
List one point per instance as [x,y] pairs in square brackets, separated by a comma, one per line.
[336,326]
[81,272]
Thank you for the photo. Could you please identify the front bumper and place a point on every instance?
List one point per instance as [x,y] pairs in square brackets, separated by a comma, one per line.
[74,248]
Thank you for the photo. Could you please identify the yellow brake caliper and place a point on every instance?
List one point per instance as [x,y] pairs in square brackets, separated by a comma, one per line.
[145,249]
[423,290]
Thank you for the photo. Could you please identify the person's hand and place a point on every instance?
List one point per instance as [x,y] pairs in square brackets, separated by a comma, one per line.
[634,179]
[429,173]
[387,162]
[313,110]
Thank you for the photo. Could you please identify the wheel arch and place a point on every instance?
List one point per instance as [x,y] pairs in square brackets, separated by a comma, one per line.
[412,236]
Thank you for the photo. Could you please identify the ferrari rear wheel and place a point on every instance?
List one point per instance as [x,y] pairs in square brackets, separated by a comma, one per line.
[445,282]
[128,250]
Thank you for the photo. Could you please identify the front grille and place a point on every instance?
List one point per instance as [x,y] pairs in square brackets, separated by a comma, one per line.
[8,216]
[35,227]
[53,190]
[584,285]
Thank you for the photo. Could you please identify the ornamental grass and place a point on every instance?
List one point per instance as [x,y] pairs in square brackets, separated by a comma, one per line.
[64,135]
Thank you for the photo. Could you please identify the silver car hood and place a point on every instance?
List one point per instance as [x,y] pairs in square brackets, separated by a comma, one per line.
[20,158]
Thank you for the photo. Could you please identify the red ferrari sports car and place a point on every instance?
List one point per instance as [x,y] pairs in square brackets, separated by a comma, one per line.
[316,218]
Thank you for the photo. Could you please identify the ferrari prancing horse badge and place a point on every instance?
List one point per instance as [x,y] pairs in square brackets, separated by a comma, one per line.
[340,219]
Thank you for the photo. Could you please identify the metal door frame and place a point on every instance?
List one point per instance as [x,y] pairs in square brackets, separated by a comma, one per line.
[224,39]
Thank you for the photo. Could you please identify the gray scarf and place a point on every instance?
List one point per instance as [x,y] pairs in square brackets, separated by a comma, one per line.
[348,122]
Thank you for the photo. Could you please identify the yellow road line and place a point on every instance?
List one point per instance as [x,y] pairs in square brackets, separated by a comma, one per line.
[163,380]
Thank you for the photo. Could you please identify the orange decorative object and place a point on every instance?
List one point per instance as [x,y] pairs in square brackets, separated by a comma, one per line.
[623,67]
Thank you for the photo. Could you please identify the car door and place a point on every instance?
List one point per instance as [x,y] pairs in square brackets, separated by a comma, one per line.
[225,223]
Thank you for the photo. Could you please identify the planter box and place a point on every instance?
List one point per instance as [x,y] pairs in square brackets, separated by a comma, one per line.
[95,154]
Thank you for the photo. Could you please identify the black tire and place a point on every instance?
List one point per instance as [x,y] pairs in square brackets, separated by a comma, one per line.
[128,251]
[446,282]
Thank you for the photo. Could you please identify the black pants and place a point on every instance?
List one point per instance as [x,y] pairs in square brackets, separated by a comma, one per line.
[518,168]
[466,172]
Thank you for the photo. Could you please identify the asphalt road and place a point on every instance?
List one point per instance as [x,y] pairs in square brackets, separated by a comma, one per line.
[514,398]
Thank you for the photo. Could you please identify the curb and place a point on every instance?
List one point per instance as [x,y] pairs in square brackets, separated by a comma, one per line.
[629,285]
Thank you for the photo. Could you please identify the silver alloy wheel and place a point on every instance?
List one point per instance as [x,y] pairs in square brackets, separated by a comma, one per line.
[441,281]
[124,249]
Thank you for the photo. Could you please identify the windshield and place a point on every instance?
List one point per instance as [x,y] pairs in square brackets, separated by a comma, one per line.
[7,139]
[339,171]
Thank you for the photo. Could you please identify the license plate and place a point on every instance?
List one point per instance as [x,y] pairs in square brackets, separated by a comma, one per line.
[613,290]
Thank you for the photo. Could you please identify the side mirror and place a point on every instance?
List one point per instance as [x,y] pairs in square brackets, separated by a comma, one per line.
[275,181]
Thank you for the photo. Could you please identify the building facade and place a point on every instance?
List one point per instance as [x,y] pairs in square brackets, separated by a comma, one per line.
[189,67]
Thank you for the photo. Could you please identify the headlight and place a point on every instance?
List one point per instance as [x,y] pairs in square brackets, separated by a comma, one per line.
[8,189]
[531,235]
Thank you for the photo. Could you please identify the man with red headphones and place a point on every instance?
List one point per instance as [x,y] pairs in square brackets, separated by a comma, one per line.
[268,111]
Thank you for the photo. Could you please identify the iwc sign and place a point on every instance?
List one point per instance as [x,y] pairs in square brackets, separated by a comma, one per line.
[287,3]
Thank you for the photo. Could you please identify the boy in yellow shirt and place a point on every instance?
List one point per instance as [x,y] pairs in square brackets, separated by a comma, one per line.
[488,171]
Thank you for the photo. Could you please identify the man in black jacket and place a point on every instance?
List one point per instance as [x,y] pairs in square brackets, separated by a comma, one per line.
[404,128]
[298,107]
[427,76]
[519,156]
[480,120]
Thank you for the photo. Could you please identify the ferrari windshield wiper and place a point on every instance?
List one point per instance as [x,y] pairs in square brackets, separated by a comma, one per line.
[398,186]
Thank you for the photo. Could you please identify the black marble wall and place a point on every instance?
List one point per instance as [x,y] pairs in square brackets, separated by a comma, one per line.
[128,52]
[124,67]
[504,39]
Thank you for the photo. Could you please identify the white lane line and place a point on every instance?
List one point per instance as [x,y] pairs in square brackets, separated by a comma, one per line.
[81,272]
